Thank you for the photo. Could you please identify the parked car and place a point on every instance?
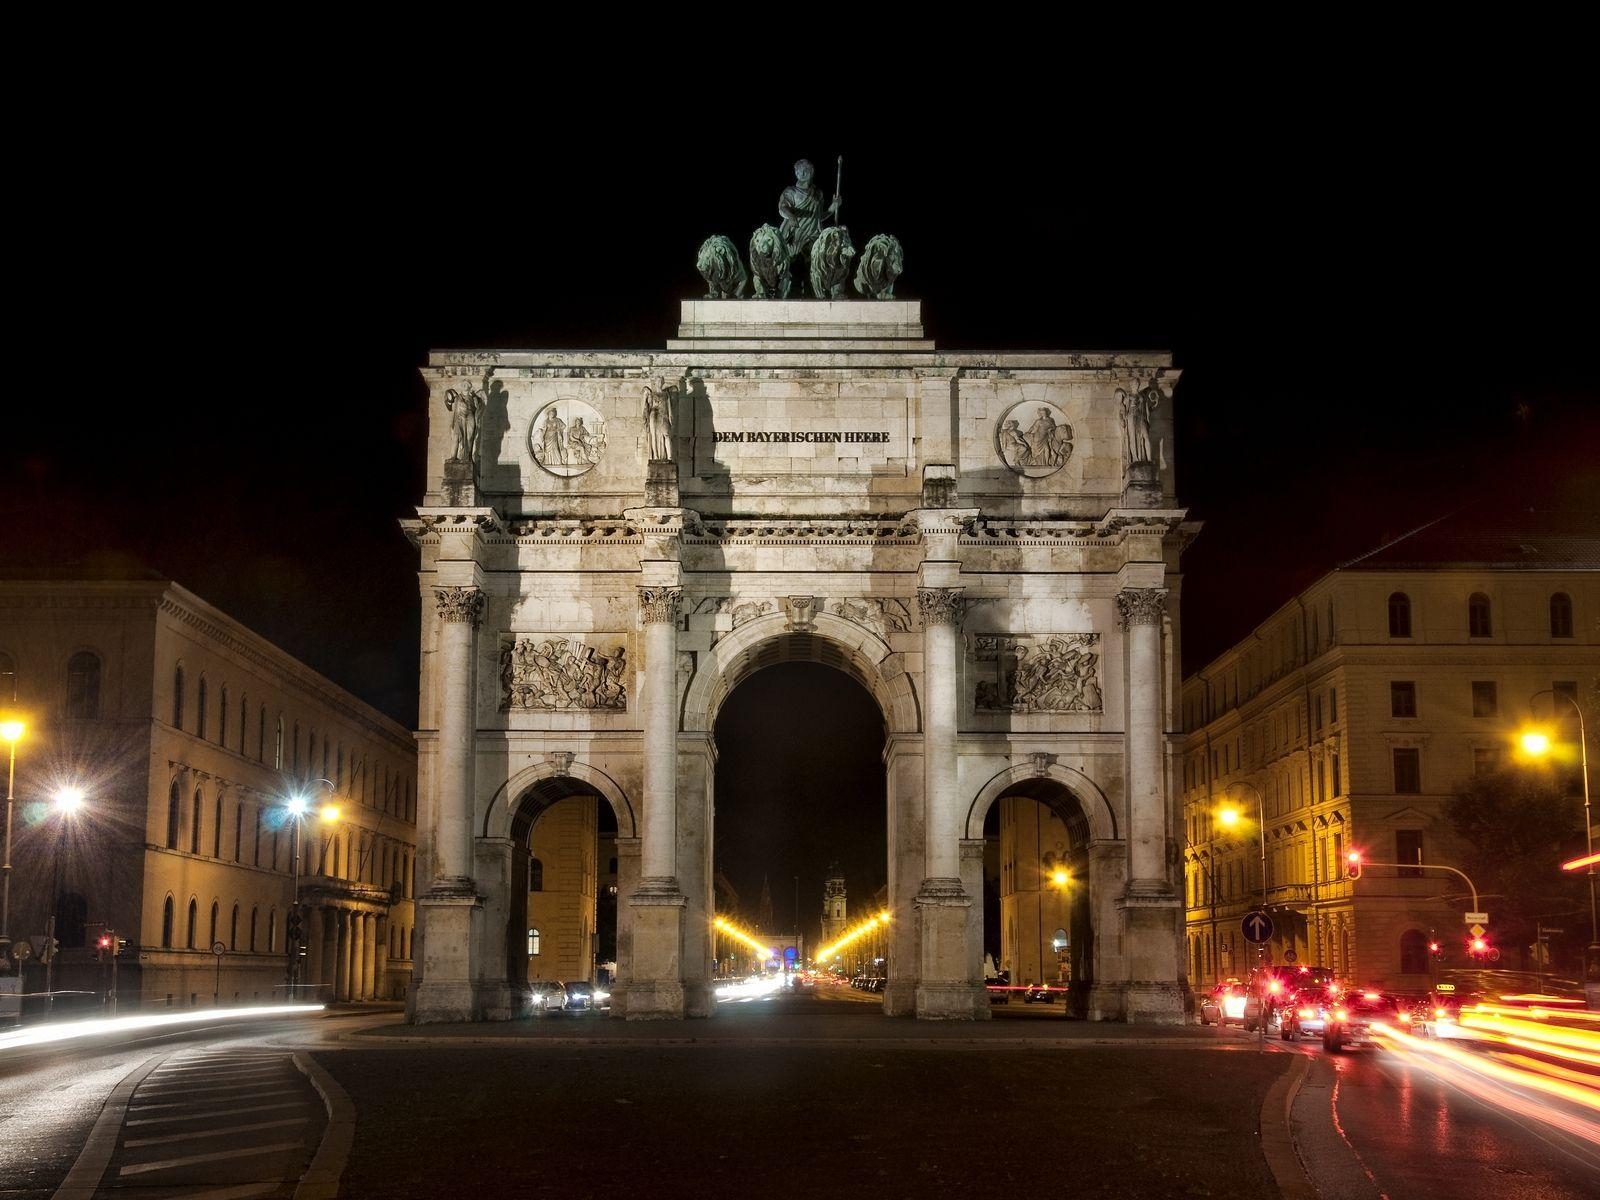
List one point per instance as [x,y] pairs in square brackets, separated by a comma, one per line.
[1354,1020]
[545,997]
[1306,1012]
[580,996]
[999,987]
[1223,1003]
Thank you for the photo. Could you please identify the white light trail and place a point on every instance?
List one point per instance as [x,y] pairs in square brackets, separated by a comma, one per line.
[64,1031]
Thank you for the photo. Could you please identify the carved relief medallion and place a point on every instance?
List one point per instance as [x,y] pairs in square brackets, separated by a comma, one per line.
[559,672]
[1055,673]
[567,437]
[1034,438]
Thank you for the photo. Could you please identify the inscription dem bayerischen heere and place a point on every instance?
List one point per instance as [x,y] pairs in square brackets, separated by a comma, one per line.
[797,435]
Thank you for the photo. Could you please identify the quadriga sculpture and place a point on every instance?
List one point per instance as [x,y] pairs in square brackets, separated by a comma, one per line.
[880,265]
[769,263]
[720,267]
[830,262]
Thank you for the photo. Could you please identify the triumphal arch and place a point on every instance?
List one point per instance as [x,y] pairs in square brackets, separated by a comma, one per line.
[611,541]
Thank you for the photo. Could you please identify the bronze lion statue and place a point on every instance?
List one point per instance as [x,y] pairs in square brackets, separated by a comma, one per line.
[769,263]
[830,262]
[720,267]
[880,265]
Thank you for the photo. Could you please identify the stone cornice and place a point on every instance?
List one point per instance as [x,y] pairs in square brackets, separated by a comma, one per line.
[446,366]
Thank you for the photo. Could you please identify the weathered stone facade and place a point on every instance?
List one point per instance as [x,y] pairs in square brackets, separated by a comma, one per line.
[987,543]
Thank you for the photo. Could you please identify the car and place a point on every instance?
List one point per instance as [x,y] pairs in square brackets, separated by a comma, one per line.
[580,996]
[1305,1014]
[1042,993]
[546,997]
[1223,1003]
[1438,1014]
[999,988]
[1357,1017]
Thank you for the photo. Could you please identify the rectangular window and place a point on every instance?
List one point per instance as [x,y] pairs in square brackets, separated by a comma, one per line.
[1402,699]
[1407,771]
[1485,699]
[1333,706]
[1485,760]
[1318,723]
[1336,868]
[1408,849]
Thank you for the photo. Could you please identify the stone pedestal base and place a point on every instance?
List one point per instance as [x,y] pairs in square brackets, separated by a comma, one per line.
[1143,487]
[449,914]
[459,484]
[900,998]
[943,991]
[661,485]
[1103,1002]
[655,992]
[1152,943]
[497,1002]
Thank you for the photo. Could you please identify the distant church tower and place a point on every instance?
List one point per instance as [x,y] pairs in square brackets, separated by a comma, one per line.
[764,908]
[834,918]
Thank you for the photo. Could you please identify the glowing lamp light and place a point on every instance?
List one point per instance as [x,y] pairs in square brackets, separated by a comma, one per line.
[12,730]
[1061,878]
[69,800]
[297,805]
[1228,816]
[1535,743]
[330,813]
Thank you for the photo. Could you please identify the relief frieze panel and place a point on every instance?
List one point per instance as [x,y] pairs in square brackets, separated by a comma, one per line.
[1050,673]
[882,616]
[554,672]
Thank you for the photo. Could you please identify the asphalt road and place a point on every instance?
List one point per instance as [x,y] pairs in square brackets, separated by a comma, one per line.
[797,1097]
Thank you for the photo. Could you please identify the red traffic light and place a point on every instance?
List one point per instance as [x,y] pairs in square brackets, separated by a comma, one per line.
[105,943]
[1352,865]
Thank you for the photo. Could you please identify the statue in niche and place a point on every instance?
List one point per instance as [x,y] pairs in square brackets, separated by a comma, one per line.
[769,263]
[659,402]
[830,262]
[881,263]
[719,265]
[803,210]
[1138,421]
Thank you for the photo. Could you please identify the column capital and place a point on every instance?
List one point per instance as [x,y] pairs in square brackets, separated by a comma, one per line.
[463,604]
[659,604]
[1141,606]
[939,606]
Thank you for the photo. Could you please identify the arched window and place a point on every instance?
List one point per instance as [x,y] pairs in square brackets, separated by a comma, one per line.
[277,753]
[1399,615]
[166,924]
[238,832]
[255,920]
[325,756]
[194,920]
[272,932]
[535,875]
[216,915]
[338,774]
[173,822]
[233,928]
[222,718]
[83,686]
[261,736]
[1561,615]
[8,679]
[533,943]
[177,696]
[294,748]
[194,823]
[200,710]
[244,717]
[1479,621]
[1413,952]
[72,920]
[216,834]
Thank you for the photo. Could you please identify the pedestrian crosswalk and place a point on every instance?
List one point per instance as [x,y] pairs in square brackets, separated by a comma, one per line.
[231,1123]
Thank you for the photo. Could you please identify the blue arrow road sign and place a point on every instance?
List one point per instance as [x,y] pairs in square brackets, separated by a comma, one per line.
[1257,927]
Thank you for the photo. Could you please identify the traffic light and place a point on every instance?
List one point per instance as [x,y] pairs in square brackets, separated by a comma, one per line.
[1481,951]
[1352,865]
[122,946]
[105,947]
[1435,949]
[296,928]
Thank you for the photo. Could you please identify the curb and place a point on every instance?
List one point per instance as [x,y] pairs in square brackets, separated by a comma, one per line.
[83,1180]
[389,1041]
[1277,1137]
[321,1180]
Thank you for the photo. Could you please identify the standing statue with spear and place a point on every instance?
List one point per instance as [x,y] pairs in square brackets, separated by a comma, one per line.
[804,209]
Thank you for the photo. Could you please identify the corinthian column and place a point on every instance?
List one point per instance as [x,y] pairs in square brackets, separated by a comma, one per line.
[941,650]
[460,610]
[1141,610]
[658,610]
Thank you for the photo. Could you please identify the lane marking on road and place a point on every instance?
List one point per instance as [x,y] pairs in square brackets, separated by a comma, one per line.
[321,1180]
[1277,1138]
[243,1192]
[141,1108]
[83,1180]
[213,1113]
[218,1156]
[226,1066]
[186,1090]
[226,1131]
[185,1077]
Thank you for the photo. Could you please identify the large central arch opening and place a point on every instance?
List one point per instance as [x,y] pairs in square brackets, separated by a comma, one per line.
[800,832]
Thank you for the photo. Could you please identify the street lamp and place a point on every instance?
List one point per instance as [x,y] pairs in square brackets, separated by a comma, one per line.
[11,730]
[299,807]
[66,803]
[1536,744]
[1230,816]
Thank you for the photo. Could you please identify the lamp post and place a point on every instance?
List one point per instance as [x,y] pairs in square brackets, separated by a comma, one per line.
[66,802]
[1230,816]
[11,730]
[1537,744]
[298,807]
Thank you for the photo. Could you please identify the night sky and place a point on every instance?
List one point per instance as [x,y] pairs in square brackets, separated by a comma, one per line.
[217,376]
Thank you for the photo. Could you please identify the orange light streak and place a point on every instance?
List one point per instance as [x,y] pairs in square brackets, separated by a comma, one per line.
[855,933]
